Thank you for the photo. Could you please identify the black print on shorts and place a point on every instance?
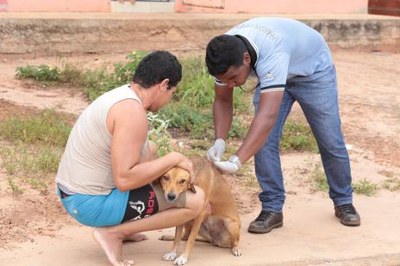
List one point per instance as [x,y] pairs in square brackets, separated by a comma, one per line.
[142,202]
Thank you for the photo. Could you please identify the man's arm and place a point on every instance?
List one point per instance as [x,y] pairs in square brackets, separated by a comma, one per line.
[262,124]
[127,123]
[223,111]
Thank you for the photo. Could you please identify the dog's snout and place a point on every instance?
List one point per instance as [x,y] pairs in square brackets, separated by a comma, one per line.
[171,196]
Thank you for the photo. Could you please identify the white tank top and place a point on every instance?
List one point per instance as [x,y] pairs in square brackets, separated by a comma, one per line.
[85,166]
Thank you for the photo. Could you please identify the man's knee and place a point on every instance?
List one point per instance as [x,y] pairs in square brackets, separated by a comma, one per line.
[195,201]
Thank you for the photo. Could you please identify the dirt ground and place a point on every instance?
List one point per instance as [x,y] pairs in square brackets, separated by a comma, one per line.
[35,230]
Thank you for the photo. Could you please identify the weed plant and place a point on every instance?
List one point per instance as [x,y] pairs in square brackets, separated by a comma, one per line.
[318,179]
[365,187]
[297,136]
[159,134]
[392,183]
[47,128]
[189,113]
[32,148]
[43,73]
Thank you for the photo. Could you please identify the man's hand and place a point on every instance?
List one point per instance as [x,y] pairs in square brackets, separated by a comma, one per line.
[214,154]
[229,167]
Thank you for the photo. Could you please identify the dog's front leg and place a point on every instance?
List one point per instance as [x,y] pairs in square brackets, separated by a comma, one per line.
[183,258]
[170,256]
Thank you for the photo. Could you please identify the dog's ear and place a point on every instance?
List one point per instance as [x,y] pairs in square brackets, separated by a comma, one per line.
[157,181]
[192,187]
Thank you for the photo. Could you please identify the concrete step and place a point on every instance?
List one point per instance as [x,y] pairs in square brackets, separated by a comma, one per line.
[52,34]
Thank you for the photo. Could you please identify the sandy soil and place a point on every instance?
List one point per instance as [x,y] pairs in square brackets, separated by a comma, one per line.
[34,229]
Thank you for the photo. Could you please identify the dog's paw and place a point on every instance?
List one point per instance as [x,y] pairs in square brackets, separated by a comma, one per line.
[236,251]
[167,238]
[170,256]
[181,260]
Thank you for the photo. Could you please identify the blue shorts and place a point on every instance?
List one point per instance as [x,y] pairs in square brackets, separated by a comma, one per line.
[117,207]
[97,210]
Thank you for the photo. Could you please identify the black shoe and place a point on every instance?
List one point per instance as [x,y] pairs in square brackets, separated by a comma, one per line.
[265,222]
[348,215]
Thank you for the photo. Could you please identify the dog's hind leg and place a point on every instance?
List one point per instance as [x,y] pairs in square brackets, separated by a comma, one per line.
[234,230]
[167,238]
[204,234]
[188,229]
[184,237]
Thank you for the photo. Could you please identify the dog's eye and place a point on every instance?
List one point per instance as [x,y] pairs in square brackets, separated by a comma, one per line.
[182,181]
[166,178]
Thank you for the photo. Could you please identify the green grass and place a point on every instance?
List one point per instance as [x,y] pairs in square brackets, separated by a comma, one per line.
[196,87]
[47,127]
[247,176]
[392,183]
[93,81]
[365,187]
[42,73]
[297,136]
[318,179]
[27,164]
[158,133]
[35,144]
[319,183]
[33,148]
[190,111]
[189,115]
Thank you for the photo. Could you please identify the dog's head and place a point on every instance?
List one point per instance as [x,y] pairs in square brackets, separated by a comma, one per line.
[174,182]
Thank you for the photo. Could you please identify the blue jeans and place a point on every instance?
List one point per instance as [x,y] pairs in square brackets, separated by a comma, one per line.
[317,96]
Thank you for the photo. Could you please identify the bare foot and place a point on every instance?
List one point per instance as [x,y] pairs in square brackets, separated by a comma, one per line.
[136,237]
[112,246]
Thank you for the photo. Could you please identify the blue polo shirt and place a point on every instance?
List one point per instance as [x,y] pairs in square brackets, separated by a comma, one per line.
[285,48]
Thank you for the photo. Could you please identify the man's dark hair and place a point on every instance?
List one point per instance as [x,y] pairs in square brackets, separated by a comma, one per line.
[223,52]
[157,66]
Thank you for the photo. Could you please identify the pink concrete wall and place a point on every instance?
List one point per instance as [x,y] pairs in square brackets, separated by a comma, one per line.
[196,6]
[3,5]
[58,5]
[272,6]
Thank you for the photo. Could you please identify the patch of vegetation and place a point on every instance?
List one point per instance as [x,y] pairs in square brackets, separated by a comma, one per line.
[158,134]
[365,187]
[43,73]
[30,164]
[35,149]
[392,183]
[191,108]
[297,136]
[95,82]
[189,114]
[98,81]
[47,128]
[71,75]
[318,179]
[246,174]
[320,183]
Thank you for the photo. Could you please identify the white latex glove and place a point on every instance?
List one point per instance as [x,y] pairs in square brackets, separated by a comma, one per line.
[214,154]
[229,167]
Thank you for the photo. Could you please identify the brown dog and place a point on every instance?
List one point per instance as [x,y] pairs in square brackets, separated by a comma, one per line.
[219,221]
